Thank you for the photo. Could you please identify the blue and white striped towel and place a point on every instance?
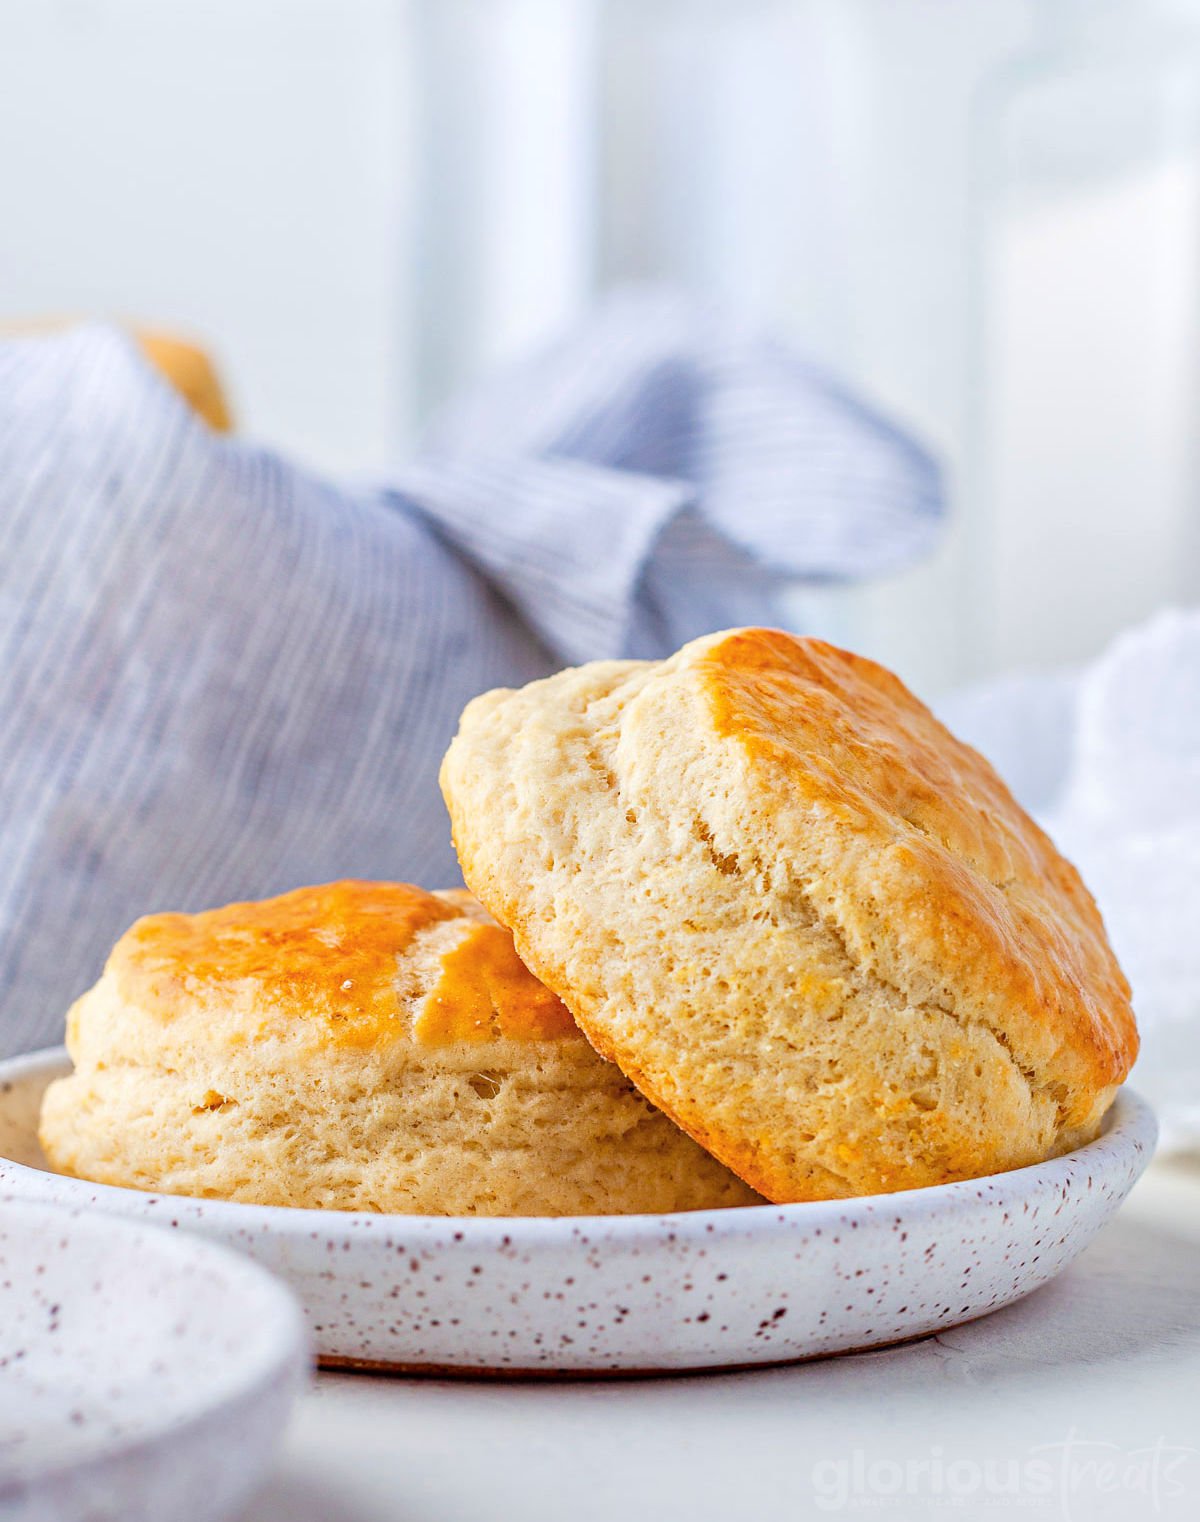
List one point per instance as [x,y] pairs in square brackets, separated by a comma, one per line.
[221,677]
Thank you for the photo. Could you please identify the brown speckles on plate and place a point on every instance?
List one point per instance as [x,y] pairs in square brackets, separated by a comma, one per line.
[612,1296]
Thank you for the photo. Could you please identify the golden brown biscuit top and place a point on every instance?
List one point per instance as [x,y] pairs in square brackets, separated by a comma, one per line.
[970,880]
[851,734]
[193,375]
[336,956]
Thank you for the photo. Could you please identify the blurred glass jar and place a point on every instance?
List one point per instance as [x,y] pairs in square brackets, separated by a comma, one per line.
[993,232]
[1084,453]
[805,162]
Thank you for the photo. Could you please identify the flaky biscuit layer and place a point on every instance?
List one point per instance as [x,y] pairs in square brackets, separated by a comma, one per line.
[356,1046]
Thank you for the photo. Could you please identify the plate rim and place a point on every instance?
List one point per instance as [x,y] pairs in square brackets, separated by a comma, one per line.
[1129,1134]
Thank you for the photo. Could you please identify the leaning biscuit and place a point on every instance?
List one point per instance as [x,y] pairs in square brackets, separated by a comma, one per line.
[358,1046]
[804,919]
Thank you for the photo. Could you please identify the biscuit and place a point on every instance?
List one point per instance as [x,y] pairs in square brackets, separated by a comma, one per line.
[191,372]
[183,365]
[807,922]
[357,1046]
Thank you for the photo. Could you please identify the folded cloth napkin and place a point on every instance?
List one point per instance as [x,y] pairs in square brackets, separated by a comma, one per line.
[1108,757]
[221,677]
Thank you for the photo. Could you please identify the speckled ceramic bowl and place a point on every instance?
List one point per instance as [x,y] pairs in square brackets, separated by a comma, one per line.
[614,1294]
[143,1375]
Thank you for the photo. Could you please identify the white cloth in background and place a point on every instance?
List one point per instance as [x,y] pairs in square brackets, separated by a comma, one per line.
[1108,758]
[221,677]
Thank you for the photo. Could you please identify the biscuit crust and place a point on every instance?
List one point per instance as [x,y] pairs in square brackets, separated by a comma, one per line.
[356,1046]
[322,963]
[803,918]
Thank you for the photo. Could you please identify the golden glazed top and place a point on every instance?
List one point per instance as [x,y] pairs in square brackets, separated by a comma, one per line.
[930,848]
[364,963]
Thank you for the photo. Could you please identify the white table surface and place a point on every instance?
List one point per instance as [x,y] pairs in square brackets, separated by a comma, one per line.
[1085,1397]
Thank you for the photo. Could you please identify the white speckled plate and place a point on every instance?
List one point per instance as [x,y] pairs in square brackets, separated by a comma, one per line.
[618,1294]
[143,1375]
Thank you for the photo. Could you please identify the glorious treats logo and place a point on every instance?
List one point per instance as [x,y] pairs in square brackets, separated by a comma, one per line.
[1060,1479]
